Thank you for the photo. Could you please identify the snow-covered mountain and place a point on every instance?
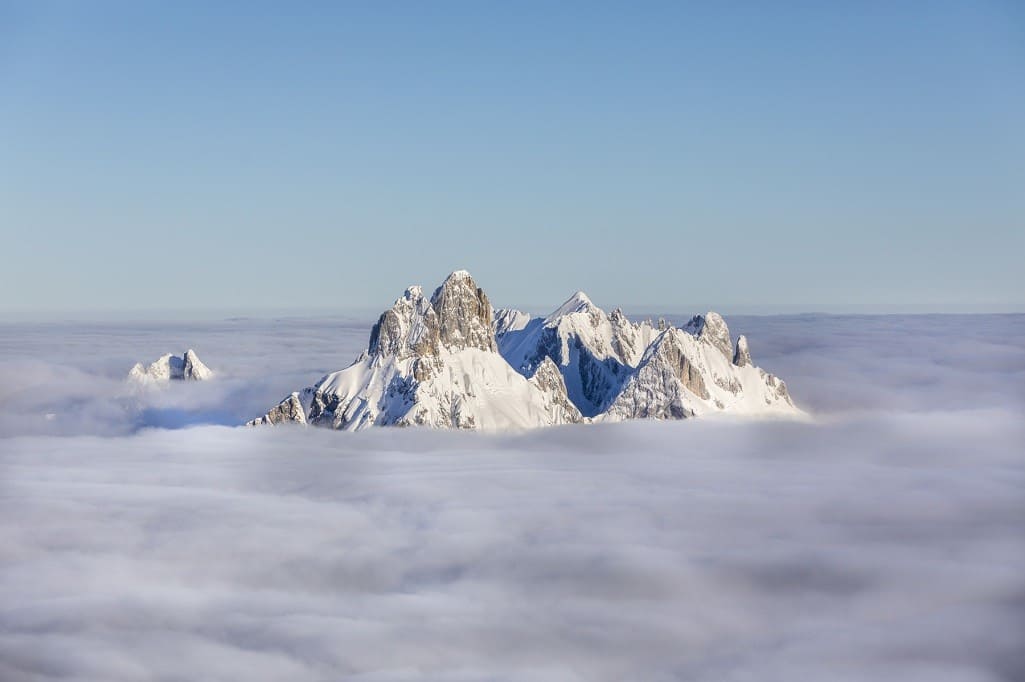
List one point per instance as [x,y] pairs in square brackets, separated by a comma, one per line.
[433,362]
[453,361]
[616,369]
[595,352]
[170,367]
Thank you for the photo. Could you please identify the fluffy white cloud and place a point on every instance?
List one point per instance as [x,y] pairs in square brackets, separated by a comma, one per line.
[871,544]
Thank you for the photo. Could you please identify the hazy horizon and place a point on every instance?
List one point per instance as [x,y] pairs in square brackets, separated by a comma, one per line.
[371,312]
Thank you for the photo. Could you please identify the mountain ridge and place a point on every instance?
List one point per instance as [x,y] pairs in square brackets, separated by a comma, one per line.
[453,361]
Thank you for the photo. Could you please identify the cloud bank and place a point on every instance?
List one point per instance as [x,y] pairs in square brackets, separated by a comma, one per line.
[882,541]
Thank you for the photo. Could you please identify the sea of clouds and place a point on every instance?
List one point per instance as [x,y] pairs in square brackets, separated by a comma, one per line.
[145,536]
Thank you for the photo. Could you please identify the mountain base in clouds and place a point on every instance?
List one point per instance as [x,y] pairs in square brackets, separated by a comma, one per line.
[451,361]
[880,541]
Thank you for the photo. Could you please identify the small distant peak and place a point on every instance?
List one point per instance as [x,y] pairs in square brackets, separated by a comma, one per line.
[169,366]
[414,292]
[458,274]
[579,302]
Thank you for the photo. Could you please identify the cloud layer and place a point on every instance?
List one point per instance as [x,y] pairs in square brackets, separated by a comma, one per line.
[882,541]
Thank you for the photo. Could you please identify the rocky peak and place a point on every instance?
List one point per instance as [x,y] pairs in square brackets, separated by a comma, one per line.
[457,316]
[668,354]
[464,314]
[410,327]
[620,324]
[711,328]
[624,337]
[742,355]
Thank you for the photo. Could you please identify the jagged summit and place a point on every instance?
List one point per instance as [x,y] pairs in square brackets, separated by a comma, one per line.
[409,327]
[453,361]
[432,363]
[170,367]
[579,302]
[464,313]
[458,315]
[711,327]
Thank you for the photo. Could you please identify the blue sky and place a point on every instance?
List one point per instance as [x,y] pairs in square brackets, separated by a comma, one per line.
[269,156]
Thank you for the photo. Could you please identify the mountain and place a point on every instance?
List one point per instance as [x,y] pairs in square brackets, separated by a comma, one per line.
[616,369]
[170,367]
[433,362]
[453,361]
[681,375]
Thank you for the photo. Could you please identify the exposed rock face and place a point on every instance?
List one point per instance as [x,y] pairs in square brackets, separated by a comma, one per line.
[712,329]
[664,384]
[410,327]
[464,314]
[779,389]
[669,352]
[548,379]
[625,342]
[742,356]
[452,362]
[170,367]
[289,410]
